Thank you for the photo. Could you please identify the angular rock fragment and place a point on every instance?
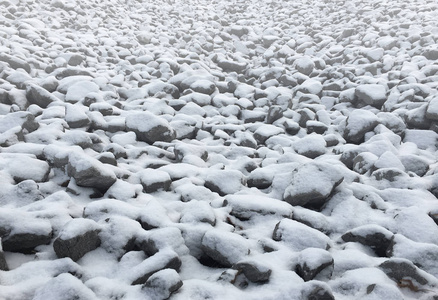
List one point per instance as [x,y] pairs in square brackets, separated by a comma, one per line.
[225,248]
[89,172]
[39,96]
[304,190]
[77,238]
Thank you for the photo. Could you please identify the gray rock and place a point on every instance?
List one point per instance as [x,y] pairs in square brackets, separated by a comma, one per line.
[20,118]
[15,62]
[414,163]
[405,273]
[149,128]
[275,112]
[313,262]
[245,207]
[318,291]
[76,243]
[25,242]
[165,259]
[423,255]
[232,66]
[298,236]
[364,162]
[303,190]
[225,248]
[254,271]
[89,172]
[154,180]
[39,96]
[371,94]
[373,236]
[162,284]
[224,182]
[359,122]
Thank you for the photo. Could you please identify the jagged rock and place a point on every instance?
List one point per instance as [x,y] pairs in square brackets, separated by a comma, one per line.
[77,238]
[149,128]
[162,284]
[89,172]
[304,191]
[39,96]
[373,236]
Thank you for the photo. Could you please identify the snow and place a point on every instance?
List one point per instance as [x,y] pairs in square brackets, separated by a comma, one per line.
[189,137]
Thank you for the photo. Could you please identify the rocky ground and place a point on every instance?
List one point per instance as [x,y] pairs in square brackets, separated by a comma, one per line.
[218,149]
